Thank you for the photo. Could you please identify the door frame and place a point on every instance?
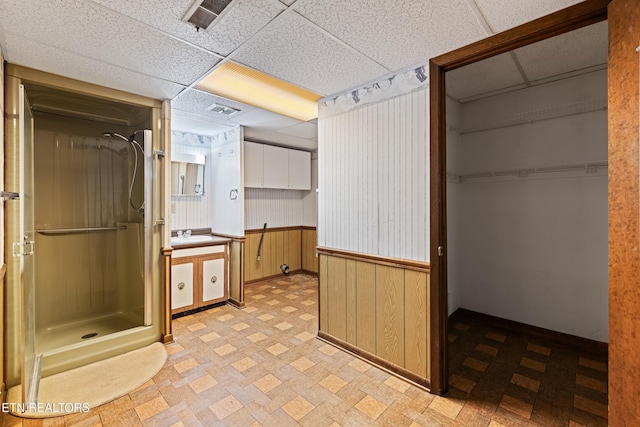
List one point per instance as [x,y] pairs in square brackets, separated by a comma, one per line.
[569,19]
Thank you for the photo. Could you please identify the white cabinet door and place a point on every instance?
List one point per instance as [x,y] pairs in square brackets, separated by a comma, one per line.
[181,285]
[213,280]
[299,170]
[253,164]
[276,167]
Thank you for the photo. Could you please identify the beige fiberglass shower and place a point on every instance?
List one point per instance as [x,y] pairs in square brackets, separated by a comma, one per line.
[84,251]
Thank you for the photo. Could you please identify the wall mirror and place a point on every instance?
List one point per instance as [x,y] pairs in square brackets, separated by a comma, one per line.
[187,174]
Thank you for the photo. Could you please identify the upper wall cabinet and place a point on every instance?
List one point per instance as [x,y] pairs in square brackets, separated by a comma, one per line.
[266,166]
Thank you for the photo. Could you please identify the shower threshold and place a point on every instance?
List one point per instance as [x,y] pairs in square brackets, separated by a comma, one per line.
[81,331]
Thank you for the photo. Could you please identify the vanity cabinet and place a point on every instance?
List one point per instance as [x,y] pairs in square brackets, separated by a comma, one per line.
[198,277]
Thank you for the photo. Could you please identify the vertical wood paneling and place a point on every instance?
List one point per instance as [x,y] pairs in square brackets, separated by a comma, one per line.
[351,301]
[253,266]
[337,298]
[373,167]
[279,237]
[235,265]
[293,249]
[366,306]
[322,294]
[309,258]
[415,321]
[390,314]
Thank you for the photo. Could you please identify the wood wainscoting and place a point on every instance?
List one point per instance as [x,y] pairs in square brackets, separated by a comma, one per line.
[236,273]
[293,246]
[378,309]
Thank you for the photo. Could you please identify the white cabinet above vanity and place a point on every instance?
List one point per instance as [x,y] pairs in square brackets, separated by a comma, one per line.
[267,166]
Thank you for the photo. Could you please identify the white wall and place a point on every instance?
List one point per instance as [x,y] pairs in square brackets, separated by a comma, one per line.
[227,211]
[534,249]
[454,235]
[374,178]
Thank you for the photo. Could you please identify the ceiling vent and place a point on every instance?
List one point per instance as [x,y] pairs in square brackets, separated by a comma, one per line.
[204,12]
[223,109]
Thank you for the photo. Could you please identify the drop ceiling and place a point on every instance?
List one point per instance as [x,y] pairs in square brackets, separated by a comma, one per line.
[326,46]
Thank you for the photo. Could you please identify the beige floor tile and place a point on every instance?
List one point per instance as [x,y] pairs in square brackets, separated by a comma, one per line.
[244,364]
[151,408]
[525,382]
[462,383]
[540,349]
[174,348]
[307,316]
[588,363]
[267,383]
[328,349]
[496,337]
[289,309]
[249,309]
[265,317]
[371,407]
[223,350]
[333,383]
[305,336]
[359,365]
[273,302]
[196,326]
[516,406]
[533,364]
[203,383]
[302,364]
[590,406]
[476,364]
[308,302]
[446,407]
[209,337]
[298,408]
[225,407]
[591,383]
[461,326]
[283,326]
[487,349]
[397,384]
[277,349]
[240,326]
[258,336]
[186,365]
[225,318]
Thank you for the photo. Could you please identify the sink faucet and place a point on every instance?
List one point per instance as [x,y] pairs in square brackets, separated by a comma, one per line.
[187,233]
[180,233]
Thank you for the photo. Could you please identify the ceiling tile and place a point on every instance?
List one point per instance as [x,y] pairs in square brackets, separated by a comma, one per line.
[576,50]
[90,30]
[483,77]
[187,122]
[302,130]
[293,49]
[502,17]
[21,51]
[197,102]
[399,33]
[237,24]
[288,2]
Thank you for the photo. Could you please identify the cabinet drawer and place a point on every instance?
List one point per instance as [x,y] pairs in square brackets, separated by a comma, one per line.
[181,285]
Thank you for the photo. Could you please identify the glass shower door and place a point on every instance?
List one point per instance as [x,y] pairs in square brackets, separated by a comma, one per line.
[24,249]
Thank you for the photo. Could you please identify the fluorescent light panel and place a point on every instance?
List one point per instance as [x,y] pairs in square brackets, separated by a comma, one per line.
[242,84]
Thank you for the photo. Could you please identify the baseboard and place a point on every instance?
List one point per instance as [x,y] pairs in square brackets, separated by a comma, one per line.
[385,365]
[236,304]
[166,339]
[274,276]
[309,272]
[585,344]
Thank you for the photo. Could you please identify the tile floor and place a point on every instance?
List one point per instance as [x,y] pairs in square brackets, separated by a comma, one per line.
[264,366]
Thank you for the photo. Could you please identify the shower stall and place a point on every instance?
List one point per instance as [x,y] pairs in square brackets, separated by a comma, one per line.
[83,264]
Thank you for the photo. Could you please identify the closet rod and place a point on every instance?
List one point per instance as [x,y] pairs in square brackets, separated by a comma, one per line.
[591,167]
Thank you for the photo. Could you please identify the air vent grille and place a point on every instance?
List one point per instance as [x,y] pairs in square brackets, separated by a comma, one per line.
[223,109]
[203,14]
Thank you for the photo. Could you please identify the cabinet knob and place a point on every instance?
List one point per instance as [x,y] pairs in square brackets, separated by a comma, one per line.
[181,286]
[214,279]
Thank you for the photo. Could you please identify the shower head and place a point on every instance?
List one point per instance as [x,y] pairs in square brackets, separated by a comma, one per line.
[112,134]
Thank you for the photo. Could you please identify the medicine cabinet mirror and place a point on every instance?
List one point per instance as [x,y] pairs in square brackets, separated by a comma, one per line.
[187,174]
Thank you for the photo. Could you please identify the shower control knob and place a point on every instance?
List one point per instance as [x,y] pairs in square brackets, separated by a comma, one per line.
[214,279]
[181,285]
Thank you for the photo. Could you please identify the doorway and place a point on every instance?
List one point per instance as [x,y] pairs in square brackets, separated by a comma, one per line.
[558,23]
